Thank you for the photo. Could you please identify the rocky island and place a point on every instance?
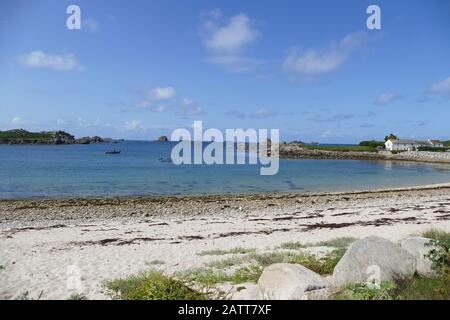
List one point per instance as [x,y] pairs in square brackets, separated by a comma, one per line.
[21,136]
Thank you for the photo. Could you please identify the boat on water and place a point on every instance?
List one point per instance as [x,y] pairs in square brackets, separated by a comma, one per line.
[113,152]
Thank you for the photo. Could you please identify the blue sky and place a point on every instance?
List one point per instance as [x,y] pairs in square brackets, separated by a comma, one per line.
[139,69]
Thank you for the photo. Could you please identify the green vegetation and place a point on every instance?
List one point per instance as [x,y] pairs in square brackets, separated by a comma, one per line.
[391,137]
[432,149]
[2,267]
[436,234]
[324,265]
[446,143]
[341,242]
[218,252]
[208,276]
[154,262]
[417,288]
[366,292]
[228,262]
[372,144]
[20,134]
[77,296]
[153,285]
[342,148]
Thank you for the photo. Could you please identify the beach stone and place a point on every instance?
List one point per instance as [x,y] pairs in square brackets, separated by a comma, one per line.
[284,281]
[417,246]
[373,258]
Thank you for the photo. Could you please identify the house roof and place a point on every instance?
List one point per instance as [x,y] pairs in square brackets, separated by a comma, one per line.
[435,142]
[405,141]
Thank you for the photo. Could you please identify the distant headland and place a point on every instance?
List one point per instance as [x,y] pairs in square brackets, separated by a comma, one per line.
[21,136]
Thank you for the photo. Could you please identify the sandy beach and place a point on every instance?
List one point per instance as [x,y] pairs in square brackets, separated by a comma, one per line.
[44,243]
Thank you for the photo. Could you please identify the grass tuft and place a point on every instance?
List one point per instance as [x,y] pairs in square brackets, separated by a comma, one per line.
[154,262]
[437,234]
[342,242]
[78,296]
[208,276]
[219,252]
[152,285]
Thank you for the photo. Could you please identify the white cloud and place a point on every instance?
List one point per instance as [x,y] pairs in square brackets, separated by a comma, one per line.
[60,122]
[262,113]
[315,62]
[165,107]
[227,40]
[189,108]
[156,94]
[441,87]
[89,24]
[40,59]
[133,124]
[386,98]
[17,121]
[163,93]
[233,36]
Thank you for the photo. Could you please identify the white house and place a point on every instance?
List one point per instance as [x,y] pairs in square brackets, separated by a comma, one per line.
[411,145]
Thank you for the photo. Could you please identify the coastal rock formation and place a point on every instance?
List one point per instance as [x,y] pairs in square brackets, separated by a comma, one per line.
[283,281]
[20,136]
[163,139]
[373,258]
[419,247]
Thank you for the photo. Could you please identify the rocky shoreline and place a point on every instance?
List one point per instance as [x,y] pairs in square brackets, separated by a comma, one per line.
[112,238]
[23,137]
[298,152]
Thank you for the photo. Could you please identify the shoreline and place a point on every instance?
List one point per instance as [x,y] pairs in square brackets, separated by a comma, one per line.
[41,241]
[73,208]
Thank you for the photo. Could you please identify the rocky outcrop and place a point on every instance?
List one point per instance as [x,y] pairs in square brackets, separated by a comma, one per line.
[283,281]
[163,139]
[373,258]
[419,247]
[95,139]
[20,136]
[298,151]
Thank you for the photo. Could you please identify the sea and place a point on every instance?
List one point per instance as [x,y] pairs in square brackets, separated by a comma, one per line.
[143,169]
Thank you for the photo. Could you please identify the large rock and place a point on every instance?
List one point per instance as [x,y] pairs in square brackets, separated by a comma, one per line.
[417,246]
[373,258]
[283,281]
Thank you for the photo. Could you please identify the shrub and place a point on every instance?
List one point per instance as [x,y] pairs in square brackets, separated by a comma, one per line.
[153,285]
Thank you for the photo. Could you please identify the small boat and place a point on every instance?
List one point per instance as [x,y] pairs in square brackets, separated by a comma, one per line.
[165,159]
[113,152]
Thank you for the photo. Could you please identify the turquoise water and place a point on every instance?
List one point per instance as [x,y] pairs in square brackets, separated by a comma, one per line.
[84,170]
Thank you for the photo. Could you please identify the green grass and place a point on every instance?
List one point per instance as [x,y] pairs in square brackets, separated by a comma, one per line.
[218,252]
[417,288]
[210,276]
[77,296]
[153,285]
[25,135]
[154,262]
[372,144]
[341,242]
[343,148]
[228,262]
[324,265]
[436,234]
